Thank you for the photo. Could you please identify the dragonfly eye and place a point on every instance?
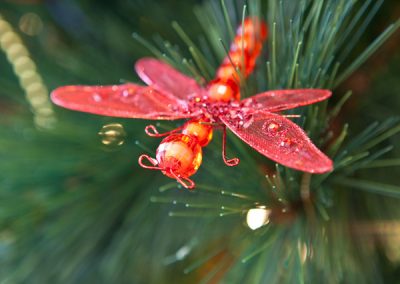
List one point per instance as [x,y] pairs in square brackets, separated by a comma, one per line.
[180,155]
[223,91]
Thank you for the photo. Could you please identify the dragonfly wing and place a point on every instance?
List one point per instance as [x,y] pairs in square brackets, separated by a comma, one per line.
[166,79]
[127,100]
[281,140]
[278,100]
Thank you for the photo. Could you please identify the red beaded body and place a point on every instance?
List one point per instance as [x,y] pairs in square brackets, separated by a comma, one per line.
[179,155]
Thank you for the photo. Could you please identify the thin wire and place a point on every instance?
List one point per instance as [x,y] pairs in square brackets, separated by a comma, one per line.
[152,131]
[229,162]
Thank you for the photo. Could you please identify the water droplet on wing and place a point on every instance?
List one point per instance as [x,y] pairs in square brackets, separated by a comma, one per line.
[96,97]
[125,93]
[287,143]
[271,128]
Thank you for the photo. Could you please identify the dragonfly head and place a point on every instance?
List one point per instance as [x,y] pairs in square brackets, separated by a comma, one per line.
[222,91]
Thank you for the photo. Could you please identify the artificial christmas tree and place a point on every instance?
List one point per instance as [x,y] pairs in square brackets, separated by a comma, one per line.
[75,207]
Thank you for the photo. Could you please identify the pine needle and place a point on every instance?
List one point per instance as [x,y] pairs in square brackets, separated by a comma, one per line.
[335,111]
[201,61]
[389,133]
[265,246]
[202,260]
[227,20]
[148,45]
[370,186]
[382,164]
[367,53]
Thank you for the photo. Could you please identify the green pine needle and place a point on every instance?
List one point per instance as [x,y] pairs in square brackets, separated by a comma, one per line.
[370,186]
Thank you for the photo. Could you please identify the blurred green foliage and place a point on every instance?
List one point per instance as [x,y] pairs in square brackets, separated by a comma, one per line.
[75,211]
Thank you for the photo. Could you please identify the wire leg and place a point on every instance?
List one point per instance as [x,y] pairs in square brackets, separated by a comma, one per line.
[153,162]
[184,181]
[229,162]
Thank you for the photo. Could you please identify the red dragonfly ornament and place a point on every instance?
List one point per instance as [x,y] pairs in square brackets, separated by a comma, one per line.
[171,95]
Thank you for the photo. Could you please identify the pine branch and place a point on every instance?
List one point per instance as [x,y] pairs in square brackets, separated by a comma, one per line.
[74,210]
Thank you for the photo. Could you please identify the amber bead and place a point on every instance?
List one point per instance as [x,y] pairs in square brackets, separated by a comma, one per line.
[249,61]
[179,154]
[237,58]
[227,72]
[253,27]
[248,44]
[199,129]
[223,91]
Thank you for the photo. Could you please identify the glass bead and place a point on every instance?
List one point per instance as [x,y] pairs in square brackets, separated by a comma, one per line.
[253,27]
[248,44]
[238,59]
[223,91]
[227,72]
[203,132]
[179,154]
[112,134]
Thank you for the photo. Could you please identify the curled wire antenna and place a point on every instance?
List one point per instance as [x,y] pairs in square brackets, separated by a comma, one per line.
[152,131]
